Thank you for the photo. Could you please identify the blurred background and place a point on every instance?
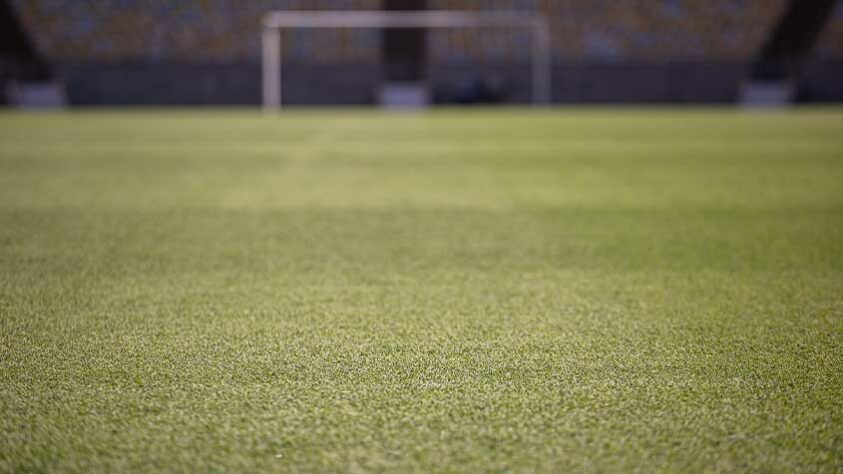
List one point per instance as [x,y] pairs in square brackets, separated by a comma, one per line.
[208,52]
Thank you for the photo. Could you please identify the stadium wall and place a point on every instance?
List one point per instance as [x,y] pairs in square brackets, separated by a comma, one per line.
[180,82]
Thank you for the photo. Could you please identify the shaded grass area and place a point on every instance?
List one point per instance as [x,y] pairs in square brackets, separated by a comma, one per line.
[651,290]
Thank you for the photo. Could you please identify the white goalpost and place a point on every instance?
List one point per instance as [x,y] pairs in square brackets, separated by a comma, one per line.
[274,22]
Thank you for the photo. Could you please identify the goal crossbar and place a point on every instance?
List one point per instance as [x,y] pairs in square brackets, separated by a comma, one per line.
[274,22]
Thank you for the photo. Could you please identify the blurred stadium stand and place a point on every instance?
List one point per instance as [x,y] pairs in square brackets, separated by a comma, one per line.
[207,51]
[26,79]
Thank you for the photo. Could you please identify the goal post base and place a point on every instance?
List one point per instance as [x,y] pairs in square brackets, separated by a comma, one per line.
[404,95]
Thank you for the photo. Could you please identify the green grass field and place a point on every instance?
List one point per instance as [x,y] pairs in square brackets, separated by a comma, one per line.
[590,290]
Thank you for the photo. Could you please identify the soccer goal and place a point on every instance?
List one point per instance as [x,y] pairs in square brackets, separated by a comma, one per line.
[274,22]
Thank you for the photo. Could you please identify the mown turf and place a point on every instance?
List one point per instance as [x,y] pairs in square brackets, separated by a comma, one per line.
[610,290]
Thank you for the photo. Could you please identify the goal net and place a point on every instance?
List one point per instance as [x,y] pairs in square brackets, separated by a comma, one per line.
[275,22]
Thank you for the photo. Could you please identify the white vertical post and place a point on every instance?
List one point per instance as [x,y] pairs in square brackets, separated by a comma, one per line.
[271,69]
[542,62]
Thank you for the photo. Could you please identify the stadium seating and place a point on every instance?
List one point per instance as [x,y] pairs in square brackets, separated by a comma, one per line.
[601,30]
[830,44]
[609,30]
[190,29]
